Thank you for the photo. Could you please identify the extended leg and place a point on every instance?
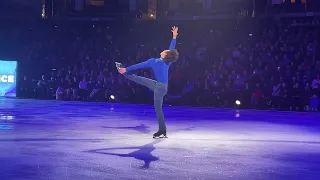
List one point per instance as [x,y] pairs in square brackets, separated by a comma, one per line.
[149,83]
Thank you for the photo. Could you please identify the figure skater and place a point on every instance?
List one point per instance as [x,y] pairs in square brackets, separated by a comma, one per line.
[160,67]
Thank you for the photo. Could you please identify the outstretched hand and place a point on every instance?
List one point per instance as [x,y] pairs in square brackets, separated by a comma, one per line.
[174,31]
[122,70]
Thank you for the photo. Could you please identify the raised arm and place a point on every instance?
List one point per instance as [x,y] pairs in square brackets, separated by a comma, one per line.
[173,44]
[143,65]
[174,31]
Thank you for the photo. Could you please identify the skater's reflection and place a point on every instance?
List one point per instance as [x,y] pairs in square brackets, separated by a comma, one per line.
[142,153]
[141,128]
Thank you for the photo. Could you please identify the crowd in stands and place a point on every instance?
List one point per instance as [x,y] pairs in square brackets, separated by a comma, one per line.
[265,63]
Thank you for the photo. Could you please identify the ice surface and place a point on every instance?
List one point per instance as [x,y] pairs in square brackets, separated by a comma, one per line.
[82,141]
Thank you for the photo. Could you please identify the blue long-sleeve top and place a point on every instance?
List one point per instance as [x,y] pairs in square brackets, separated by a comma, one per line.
[159,67]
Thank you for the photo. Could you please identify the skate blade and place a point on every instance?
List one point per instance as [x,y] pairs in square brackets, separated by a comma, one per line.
[159,137]
[118,65]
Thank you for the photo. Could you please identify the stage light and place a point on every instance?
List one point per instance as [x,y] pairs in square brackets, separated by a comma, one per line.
[238,102]
[4,117]
[112,97]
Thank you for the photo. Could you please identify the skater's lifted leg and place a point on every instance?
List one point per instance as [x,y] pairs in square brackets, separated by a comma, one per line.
[149,83]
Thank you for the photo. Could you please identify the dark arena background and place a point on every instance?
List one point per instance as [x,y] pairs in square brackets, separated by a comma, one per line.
[242,101]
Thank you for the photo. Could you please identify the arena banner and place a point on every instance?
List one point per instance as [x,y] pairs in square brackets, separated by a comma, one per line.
[8,79]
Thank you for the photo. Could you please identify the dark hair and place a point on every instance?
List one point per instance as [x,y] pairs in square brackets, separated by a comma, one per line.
[172,55]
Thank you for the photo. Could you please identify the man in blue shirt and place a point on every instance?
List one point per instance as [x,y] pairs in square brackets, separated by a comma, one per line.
[160,67]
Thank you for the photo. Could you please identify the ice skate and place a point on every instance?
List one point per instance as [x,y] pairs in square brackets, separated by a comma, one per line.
[160,134]
[118,65]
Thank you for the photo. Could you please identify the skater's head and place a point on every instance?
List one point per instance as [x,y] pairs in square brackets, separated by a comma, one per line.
[169,55]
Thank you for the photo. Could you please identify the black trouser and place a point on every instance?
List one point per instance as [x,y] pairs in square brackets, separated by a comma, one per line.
[159,91]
